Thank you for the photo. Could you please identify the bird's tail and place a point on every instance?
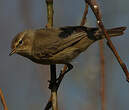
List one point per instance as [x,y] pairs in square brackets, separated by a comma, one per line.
[115,31]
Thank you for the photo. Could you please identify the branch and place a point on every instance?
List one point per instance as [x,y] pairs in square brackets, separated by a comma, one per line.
[53,89]
[53,98]
[102,91]
[3,100]
[84,15]
[49,104]
[50,13]
[96,11]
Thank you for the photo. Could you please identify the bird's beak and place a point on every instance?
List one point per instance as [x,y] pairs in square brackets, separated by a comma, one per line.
[12,52]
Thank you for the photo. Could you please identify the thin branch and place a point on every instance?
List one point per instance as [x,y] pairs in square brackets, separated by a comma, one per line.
[53,89]
[50,13]
[102,75]
[53,98]
[96,11]
[49,104]
[61,76]
[3,100]
[84,15]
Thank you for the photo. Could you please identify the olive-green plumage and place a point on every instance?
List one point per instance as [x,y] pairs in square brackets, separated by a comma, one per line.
[57,45]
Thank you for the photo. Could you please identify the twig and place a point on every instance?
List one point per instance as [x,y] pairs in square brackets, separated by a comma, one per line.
[61,76]
[53,98]
[102,75]
[50,13]
[3,100]
[96,11]
[83,21]
[49,104]
[53,89]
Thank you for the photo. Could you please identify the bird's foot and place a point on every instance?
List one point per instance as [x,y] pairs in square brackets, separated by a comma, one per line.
[56,83]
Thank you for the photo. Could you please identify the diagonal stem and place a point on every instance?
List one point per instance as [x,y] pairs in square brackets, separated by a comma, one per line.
[83,21]
[3,100]
[96,12]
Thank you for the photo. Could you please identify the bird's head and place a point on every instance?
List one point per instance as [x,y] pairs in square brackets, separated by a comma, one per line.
[22,43]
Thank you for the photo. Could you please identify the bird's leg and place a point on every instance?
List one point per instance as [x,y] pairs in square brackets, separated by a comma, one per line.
[65,70]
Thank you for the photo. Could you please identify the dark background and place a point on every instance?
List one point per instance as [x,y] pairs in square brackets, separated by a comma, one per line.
[25,84]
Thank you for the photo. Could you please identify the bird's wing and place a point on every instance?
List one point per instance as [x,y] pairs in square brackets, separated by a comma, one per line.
[52,42]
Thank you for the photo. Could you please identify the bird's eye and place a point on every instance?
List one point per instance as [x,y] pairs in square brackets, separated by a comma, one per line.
[20,42]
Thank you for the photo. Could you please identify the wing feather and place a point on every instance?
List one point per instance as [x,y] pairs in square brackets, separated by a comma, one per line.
[51,43]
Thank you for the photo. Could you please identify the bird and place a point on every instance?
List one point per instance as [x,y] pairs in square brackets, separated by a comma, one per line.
[58,45]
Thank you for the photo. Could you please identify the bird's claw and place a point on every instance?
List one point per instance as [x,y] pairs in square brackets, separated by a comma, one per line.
[52,84]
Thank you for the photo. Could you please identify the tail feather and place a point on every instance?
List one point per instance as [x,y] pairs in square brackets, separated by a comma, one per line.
[116,31]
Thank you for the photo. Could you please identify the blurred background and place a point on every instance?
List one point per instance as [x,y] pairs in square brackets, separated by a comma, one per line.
[25,84]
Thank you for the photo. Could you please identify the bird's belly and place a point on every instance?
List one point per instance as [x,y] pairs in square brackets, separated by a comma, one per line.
[62,57]
[51,61]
